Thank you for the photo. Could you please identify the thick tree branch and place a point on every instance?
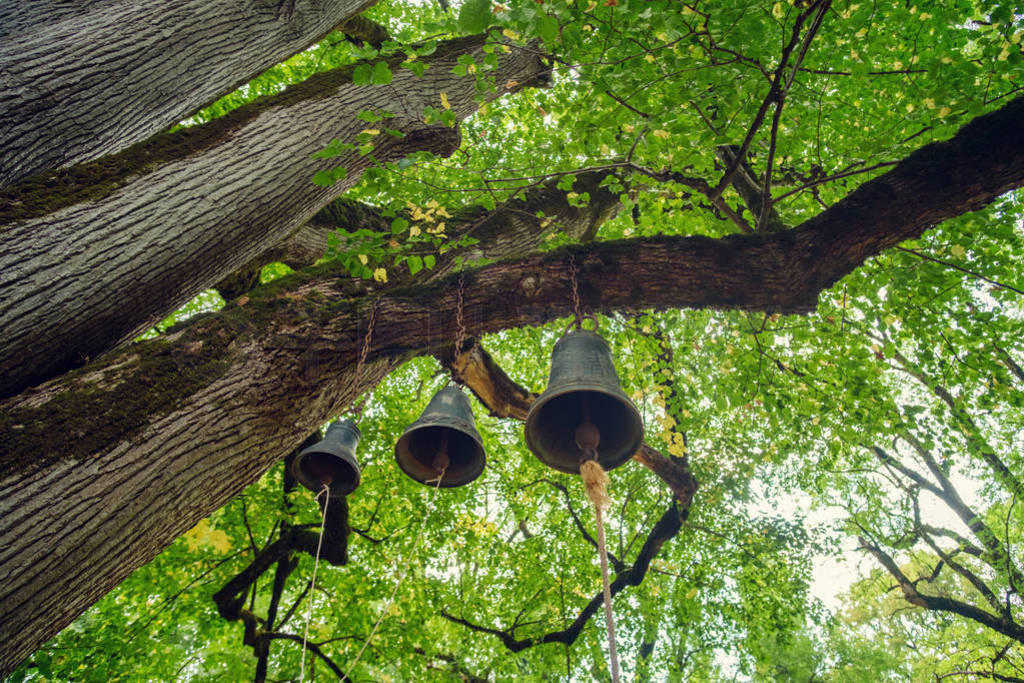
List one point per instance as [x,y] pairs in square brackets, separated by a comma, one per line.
[666,528]
[514,229]
[206,212]
[57,109]
[230,394]
[999,624]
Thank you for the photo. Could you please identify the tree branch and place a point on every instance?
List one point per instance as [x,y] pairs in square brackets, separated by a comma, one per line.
[999,624]
[229,394]
[666,528]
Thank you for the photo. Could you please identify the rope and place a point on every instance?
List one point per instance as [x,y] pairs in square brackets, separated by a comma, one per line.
[595,480]
[312,583]
[401,576]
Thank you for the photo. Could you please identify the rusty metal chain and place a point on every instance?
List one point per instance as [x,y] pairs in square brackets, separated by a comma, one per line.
[573,270]
[361,363]
[460,325]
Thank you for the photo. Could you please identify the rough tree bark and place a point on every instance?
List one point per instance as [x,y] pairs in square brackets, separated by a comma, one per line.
[96,254]
[513,230]
[81,80]
[102,468]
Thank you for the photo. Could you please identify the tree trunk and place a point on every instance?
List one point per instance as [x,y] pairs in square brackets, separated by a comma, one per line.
[105,466]
[98,253]
[82,80]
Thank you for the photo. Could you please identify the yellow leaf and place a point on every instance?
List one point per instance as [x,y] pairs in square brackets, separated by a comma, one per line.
[509,33]
[380,275]
[444,101]
[663,134]
[219,540]
[364,259]
[692,594]
[414,231]
[370,131]
[957,251]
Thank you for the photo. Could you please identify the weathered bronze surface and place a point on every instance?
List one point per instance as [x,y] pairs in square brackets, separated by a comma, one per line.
[332,461]
[445,437]
[583,380]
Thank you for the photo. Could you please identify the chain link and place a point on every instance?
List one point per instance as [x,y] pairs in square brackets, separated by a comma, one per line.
[573,270]
[361,363]
[460,325]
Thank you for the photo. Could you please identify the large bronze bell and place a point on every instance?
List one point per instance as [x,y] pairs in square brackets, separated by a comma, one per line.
[583,406]
[330,461]
[443,438]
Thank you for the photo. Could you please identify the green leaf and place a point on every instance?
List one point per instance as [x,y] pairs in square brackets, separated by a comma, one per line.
[381,74]
[474,16]
[417,67]
[399,225]
[328,177]
[362,74]
[415,264]
[428,260]
[547,28]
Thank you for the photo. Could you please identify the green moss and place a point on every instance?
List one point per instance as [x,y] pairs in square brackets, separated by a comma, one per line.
[51,190]
[99,410]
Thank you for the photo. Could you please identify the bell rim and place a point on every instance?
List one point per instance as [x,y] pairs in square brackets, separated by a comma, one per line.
[315,486]
[606,463]
[445,483]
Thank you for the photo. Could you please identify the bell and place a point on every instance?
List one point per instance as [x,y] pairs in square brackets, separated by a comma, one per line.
[583,407]
[331,461]
[444,437]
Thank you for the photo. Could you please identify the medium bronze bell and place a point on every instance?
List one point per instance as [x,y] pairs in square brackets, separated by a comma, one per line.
[583,397]
[444,437]
[331,461]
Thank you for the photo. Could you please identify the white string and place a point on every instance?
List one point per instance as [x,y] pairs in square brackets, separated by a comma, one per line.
[609,617]
[405,568]
[312,583]
[595,481]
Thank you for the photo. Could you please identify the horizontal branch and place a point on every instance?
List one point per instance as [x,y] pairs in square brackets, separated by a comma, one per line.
[226,396]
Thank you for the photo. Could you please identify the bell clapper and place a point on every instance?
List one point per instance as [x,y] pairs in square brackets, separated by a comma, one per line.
[441,460]
[587,436]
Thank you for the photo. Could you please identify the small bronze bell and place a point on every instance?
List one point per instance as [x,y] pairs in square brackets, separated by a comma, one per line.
[583,392]
[444,437]
[331,461]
